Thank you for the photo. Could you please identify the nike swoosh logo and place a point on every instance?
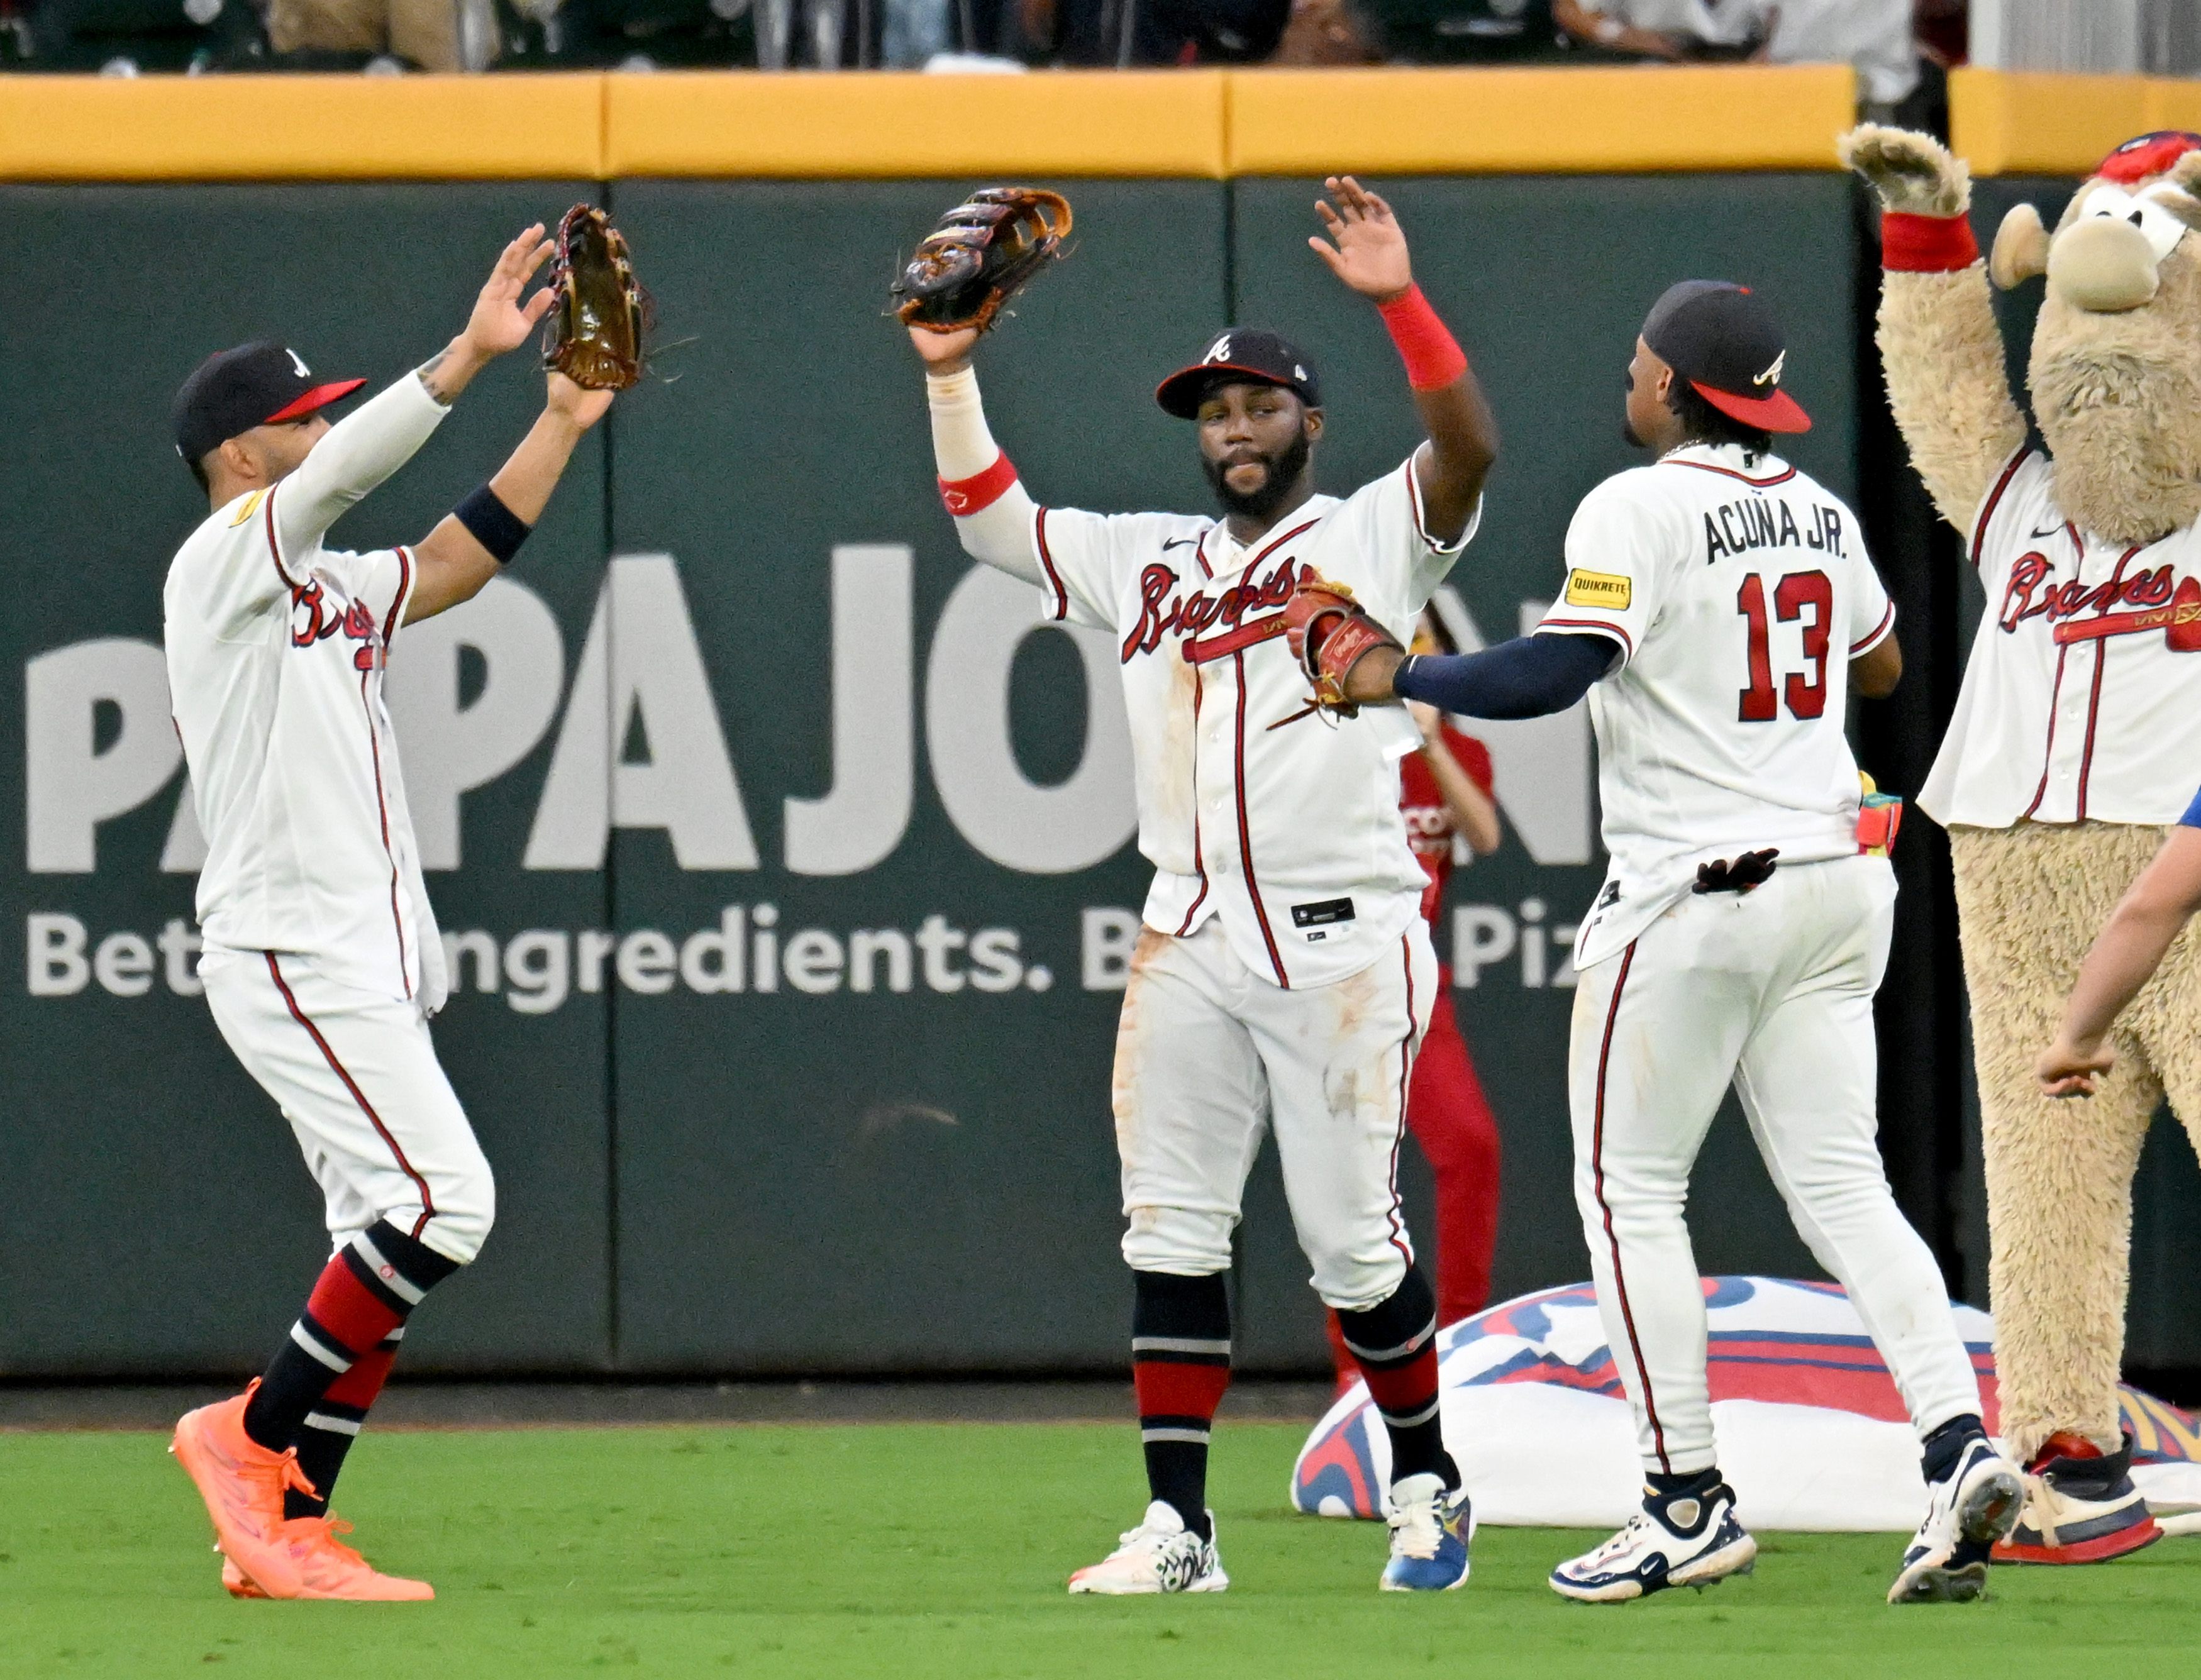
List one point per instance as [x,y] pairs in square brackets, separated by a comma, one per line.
[2051,532]
[1180,542]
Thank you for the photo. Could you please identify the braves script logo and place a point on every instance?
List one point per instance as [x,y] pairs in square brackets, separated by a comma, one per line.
[1772,375]
[1163,611]
[2033,593]
[314,617]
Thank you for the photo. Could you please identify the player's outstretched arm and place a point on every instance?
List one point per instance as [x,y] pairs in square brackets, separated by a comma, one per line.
[367,446]
[1369,255]
[993,510]
[2126,952]
[1530,676]
[472,541]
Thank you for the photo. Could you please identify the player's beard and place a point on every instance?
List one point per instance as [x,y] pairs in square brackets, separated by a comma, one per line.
[1284,470]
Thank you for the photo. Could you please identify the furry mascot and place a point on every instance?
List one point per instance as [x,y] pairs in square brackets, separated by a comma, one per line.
[2072,744]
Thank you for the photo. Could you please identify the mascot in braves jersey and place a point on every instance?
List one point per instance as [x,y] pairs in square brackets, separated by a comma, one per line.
[2070,752]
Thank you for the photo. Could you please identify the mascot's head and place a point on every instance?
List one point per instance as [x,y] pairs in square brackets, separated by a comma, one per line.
[2116,351]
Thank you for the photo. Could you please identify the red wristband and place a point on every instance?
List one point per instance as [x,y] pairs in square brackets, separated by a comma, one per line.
[1916,244]
[981,490]
[1433,358]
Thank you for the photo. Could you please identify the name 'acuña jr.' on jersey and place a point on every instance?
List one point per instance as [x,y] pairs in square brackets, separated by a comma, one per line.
[276,650]
[1288,831]
[1739,591]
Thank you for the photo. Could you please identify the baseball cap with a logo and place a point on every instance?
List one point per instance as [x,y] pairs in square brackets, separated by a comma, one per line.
[1723,339]
[1239,353]
[232,391]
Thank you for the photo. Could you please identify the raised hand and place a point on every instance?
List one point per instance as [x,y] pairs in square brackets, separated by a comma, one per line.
[944,353]
[499,321]
[1370,254]
[581,407]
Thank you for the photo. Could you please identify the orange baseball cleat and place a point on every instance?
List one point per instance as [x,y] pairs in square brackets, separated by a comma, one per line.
[328,1568]
[237,1583]
[242,1483]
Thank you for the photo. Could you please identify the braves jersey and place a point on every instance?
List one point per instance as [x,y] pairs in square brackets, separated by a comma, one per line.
[276,649]
[1285,825]
[1429,826]
[2087,652]
[1738,590]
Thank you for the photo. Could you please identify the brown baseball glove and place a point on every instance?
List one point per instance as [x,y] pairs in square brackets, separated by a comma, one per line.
[980,256]
[1330,632]
[594,334]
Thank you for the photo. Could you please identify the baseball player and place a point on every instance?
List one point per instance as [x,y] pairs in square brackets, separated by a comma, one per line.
[322,962]
[1283,976]
[1718,609]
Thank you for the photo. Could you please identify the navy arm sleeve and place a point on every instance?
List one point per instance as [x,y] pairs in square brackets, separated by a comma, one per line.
[1530,676]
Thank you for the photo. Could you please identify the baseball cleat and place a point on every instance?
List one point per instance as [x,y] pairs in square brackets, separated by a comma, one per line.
[242,1484]
[1676,1540]
[236,1583]
[1431,1527]
[1967,1511]
[328,1568]
[1160,1555]
[2081,1507]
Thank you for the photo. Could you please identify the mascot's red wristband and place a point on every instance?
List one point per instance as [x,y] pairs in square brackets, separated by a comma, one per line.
[981,490]
[1915,244]
[1432,359]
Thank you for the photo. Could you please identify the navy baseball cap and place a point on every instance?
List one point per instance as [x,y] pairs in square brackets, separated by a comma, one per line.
[232,391]
[1237,354]
[1723,339]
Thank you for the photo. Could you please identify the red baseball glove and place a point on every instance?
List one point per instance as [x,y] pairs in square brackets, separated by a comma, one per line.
[1330,632]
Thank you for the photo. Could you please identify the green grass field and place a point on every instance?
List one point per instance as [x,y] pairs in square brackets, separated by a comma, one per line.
[908,1551]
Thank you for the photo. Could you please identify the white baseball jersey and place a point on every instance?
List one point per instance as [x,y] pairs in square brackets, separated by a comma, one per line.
[276,648]
[2086,664]
[1739,590]
[1288,830]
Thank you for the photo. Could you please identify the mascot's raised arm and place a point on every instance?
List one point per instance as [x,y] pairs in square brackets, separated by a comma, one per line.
[2070,749]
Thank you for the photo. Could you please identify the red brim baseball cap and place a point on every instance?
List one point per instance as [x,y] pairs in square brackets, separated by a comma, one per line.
[1723,339]
[260,385]
[1777,412]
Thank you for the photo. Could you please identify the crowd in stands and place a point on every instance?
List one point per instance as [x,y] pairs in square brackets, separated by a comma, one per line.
[1897,46]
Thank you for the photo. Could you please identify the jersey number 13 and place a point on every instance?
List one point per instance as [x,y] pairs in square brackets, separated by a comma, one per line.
[1799,593]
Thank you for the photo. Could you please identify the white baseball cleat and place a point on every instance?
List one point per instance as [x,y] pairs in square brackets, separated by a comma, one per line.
[1967,1511]
[1160,1555]
[1677,1541]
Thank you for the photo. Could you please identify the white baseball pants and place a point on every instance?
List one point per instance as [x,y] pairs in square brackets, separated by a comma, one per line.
[356,1075]
[1209,1056]
[1771,991]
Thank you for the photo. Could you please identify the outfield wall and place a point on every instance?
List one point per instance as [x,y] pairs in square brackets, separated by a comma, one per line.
[784,859]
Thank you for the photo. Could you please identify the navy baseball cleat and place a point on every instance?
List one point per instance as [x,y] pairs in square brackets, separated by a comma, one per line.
[1431,1526]
[1967,1511]
[1688,1538]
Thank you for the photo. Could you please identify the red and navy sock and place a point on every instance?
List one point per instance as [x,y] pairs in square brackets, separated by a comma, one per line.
[1180,1366]
[360,1300]
[1395,1344]
[328,1431]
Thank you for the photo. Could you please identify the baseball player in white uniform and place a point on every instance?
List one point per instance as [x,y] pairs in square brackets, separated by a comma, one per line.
[1284,975]
[322,962]
[1718,608]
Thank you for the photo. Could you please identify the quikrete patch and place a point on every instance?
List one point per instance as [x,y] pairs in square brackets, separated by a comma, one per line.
[1598,588]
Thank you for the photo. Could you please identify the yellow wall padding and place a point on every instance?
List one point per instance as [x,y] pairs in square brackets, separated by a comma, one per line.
[2007,123]
[1186,123]
[888,123]
[227,128]
[1527,121]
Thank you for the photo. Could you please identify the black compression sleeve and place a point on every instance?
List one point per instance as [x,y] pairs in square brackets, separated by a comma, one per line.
[1530,676]
[494,525]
